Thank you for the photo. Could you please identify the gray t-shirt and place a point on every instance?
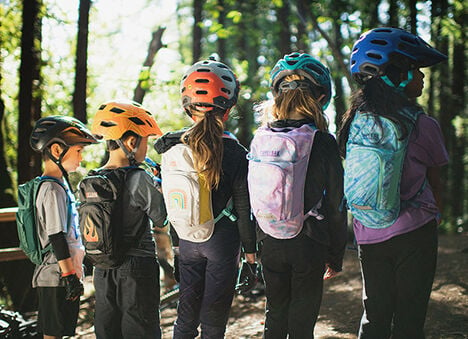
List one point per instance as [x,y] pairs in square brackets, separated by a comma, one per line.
[56,212]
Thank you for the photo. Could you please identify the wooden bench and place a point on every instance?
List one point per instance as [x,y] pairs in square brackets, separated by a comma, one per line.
[14,253]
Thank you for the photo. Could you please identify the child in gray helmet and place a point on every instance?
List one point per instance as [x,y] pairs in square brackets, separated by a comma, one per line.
[61,140]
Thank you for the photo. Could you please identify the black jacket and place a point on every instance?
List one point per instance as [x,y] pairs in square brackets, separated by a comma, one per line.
[233,184]
[324,178]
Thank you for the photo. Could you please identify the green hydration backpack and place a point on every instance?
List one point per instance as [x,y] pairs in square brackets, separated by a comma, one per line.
[375,153]
[101,212]
[26,219]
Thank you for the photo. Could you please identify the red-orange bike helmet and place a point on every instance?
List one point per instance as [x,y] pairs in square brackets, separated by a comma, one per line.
[209,83]
[114,118]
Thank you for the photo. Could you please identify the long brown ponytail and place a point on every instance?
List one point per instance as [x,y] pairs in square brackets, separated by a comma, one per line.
[205,140]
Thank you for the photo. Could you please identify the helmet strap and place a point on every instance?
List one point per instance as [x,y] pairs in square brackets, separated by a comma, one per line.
[402,85]
[130,154]
[58,162]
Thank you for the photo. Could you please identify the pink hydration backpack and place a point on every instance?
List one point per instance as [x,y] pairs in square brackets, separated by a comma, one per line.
[278,161]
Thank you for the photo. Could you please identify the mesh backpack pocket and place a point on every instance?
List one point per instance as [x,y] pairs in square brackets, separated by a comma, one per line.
[278,161]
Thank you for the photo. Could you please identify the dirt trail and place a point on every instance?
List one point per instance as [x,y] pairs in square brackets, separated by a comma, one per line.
[341,309]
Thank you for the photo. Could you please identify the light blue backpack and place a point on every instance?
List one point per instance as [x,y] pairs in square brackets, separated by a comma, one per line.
[375,153]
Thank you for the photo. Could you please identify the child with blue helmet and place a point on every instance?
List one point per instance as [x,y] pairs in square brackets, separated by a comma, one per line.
[398,260]
[296,263]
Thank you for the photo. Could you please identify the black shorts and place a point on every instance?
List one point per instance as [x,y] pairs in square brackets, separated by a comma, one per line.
[56,316]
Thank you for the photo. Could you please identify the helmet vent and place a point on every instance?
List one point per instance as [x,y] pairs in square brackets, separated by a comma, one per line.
[204,81]
[206,70]
[225,77]
[383,30]
[202,92]
[225,90]
[117,110]
[222,66]
[408,40]
[108,124]
[136,120]
[48,122]
[291,62]
[374,56]
[149,123]
[379,42]
[102,107]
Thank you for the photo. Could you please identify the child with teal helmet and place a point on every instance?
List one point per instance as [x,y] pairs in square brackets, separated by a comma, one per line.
[296,263]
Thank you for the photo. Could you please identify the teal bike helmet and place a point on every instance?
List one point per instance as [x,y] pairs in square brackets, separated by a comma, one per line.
[305,65]
[380,47]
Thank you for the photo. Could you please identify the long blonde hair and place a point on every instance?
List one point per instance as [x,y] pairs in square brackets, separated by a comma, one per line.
[298,100]
[205,140]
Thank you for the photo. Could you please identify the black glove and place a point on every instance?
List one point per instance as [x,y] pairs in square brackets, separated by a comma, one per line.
[73,287]
[247,278]
[176,268]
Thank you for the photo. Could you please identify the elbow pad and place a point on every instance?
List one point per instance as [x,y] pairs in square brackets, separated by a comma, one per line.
[60,246]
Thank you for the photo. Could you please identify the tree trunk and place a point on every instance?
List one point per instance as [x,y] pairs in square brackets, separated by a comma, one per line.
[6,184]
[412,16]
[284,31]
[339,99]
[197,30]
[81,76]
[154,46]
[247,51]
[393,13]
[302,38]
[222,41]
[370,15]
[440,102]
[304,12]
[459,109]
[29,162]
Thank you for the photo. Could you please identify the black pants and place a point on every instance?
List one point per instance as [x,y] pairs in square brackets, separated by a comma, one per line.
[293,272]
[208,272]
[127,300]
[397,281]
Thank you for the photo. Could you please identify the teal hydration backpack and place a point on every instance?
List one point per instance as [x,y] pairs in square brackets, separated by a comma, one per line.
[375,153]
[26,219]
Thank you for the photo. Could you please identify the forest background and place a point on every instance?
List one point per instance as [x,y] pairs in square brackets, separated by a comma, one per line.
[67,57]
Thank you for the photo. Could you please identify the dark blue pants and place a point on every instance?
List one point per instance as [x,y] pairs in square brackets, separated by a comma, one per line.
[397,281]
[127,300]
[208,274]
[293,272]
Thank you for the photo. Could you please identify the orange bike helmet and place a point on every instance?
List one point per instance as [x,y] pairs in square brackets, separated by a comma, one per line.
[209,83]
[114,118]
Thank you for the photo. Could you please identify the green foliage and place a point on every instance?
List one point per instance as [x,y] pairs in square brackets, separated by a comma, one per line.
[248,29]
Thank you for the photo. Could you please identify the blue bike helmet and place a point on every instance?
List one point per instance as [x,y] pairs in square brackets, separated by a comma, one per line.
[305,65]
[380,47]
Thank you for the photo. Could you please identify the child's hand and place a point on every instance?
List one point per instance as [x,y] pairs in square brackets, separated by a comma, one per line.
[73,287]
[329,273]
